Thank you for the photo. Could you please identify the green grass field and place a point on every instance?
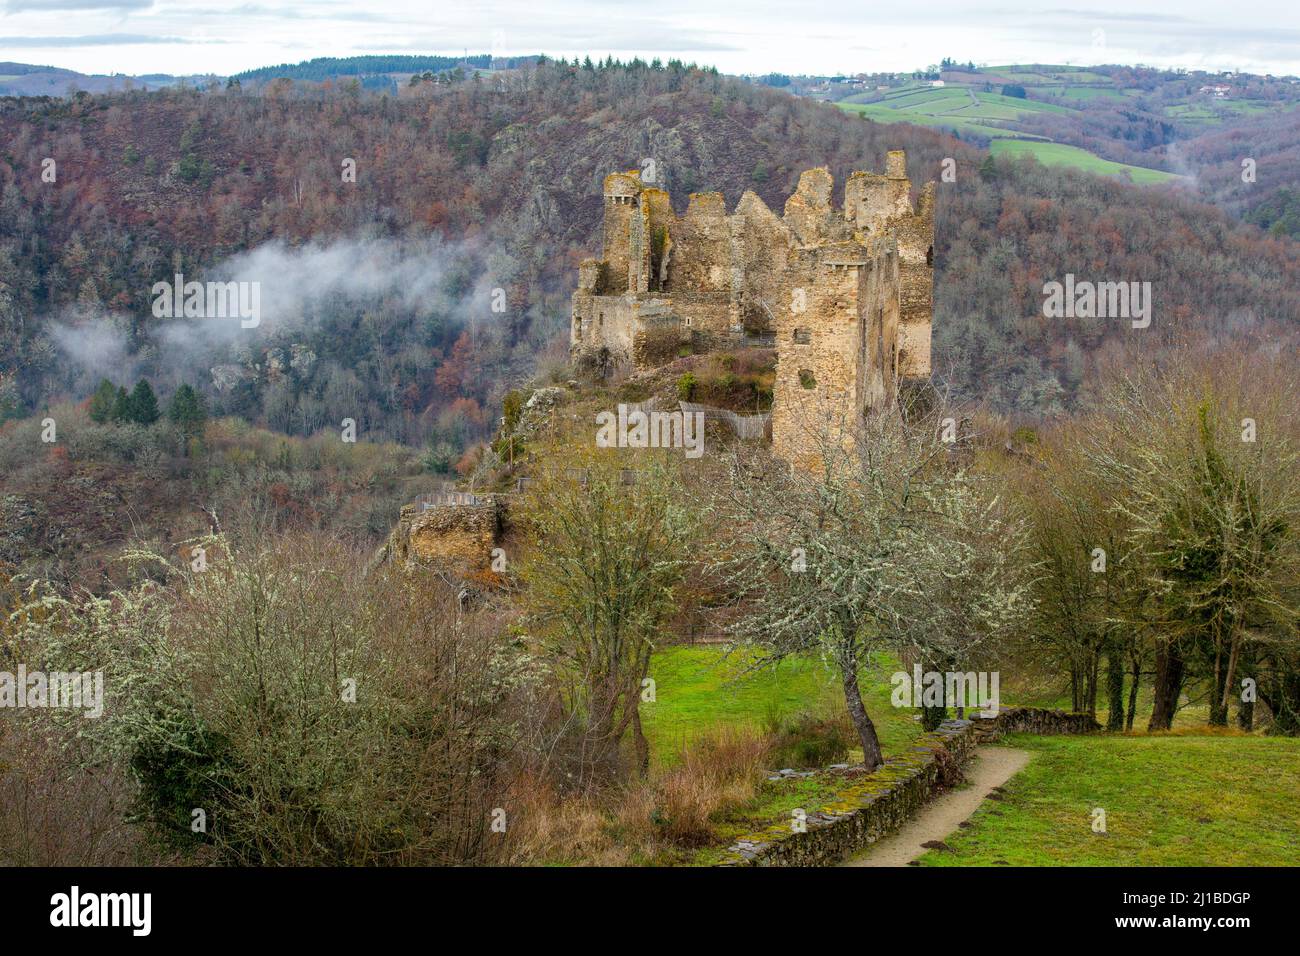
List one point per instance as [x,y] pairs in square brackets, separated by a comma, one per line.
[1058,154]
[987,114]
[885,114]
[1169,801]
[954,107]
[1090,93]
[1182,799]
[698,689]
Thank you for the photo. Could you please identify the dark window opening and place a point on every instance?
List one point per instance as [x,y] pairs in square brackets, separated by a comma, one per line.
[807,379]
[802,336]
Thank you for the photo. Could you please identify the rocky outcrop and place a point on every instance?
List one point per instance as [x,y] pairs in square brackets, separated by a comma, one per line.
[453,537]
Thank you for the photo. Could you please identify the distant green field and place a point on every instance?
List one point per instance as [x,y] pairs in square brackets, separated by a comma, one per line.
[1058,154]
[1020,106]
[883,114]
[1168,801]
[1039,73]
[957,108]
[1210,111]
[1091,93]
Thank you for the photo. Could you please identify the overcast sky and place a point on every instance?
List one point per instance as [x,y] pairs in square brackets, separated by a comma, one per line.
[793,36]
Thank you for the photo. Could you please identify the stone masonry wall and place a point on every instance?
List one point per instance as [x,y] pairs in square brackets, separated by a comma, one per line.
[882,801]
[855,282]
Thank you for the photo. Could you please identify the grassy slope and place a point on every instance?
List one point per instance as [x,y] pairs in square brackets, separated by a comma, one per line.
[1169,801]
[1058,154]
[1155,790]
[953,108]
[885,114]
[698,689]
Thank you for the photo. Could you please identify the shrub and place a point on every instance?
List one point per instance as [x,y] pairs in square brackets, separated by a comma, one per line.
[809,741]
[686,386]
[716,771]
[319,716]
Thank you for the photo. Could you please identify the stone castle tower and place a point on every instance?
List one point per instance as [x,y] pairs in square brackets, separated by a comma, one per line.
[845,294]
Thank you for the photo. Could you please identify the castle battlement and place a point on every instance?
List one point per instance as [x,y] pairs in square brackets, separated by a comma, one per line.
[847,292]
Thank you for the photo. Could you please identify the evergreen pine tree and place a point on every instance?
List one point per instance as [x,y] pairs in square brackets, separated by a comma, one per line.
[121,406]
[102,402]
[143,407]
[186,411]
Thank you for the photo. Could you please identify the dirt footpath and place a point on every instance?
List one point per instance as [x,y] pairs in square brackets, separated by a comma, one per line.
[990,767]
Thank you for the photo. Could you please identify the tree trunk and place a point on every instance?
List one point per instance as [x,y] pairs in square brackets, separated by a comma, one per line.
[871,756]
[1283,699]
[1090,689]
[1114,686]
[1133,695]
[935,714]
[1246,708]
[1218,709]
[1168,685]
[1246,715]
[1234,657]
[638,739]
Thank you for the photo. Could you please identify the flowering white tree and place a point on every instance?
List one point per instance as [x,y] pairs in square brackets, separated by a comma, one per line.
[890,544]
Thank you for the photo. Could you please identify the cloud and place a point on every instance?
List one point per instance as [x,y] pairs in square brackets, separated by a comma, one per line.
[304,291]
[47,6]
[97,347]
[1113,15]
[96,39]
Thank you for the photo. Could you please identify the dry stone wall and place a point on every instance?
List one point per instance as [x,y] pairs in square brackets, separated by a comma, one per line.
[881,802]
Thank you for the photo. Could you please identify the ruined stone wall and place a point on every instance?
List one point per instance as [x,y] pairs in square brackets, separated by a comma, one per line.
[620,190]
[453,538]
[1033,720]
[915,235]
[703,313]
[699,260]
[878,361]
[848,292]
[762,255]
[654,239]
[872,201]
[865,813]
[818,345]
[611,323]
[808,212]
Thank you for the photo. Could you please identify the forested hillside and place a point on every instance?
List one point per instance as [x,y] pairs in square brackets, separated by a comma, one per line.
[383,308]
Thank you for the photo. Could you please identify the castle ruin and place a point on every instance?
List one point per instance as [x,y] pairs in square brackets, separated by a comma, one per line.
[845,294]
